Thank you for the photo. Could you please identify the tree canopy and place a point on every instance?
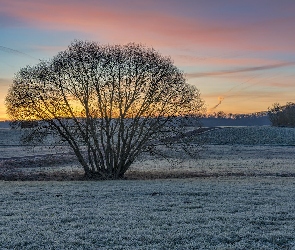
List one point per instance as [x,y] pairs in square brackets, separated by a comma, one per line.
[110,103]
[282,115]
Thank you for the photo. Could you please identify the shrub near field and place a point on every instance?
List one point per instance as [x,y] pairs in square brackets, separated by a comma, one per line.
[250,136]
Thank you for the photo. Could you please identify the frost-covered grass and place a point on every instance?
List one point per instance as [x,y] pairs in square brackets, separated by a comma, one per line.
[252,212]
[211,213]
[229,160]
[236,151]
[260,135]
[264,135]
[9,137]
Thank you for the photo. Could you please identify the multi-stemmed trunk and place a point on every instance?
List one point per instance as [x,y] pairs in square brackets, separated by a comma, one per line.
[109,103]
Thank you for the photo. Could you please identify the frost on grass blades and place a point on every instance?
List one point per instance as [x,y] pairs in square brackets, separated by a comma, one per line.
[240,151]
[263,135]
[212,213]
[255,211]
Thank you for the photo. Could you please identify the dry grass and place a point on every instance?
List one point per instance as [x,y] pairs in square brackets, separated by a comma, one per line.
[131,175]
[44,163]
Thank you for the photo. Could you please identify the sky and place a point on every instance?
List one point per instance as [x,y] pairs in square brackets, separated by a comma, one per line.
[239,54]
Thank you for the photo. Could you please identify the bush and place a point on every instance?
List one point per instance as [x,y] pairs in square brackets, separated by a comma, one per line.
[282,116]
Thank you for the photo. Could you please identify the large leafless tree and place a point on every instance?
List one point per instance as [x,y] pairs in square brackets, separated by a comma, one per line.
[110,103]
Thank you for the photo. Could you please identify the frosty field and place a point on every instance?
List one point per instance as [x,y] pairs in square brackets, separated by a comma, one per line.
[238,151]
[241,197]
[210,213]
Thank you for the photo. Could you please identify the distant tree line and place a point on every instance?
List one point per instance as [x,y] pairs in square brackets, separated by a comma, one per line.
[222,114]
[282,116]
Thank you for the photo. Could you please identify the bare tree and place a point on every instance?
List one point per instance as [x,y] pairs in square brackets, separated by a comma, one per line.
[110,103]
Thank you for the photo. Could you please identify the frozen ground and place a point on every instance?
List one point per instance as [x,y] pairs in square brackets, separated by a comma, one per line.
[246,203]
[215,160]
[210,213]
[238,151]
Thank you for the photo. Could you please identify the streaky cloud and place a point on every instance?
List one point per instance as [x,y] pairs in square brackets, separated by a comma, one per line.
[16,52]
[240,70]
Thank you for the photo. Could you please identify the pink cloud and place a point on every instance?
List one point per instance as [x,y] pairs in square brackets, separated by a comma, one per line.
[221,61]
[240,70]
[152,27]
[228,45]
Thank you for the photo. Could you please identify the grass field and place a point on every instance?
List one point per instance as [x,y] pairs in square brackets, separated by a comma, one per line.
[210,213]
[246,200]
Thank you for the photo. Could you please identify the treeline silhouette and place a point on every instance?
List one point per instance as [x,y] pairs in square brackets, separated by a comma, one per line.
[282,115]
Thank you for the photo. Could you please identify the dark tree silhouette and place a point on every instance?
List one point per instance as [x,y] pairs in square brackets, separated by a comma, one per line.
[282,116]
[109,103]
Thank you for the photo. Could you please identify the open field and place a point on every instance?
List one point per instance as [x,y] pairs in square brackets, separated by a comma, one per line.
[211,213]
[238,151]
[243,197]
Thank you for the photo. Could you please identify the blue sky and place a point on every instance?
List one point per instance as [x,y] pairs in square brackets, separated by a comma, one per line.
[240,54]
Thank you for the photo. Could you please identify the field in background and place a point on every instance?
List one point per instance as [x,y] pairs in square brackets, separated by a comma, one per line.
[239,151]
